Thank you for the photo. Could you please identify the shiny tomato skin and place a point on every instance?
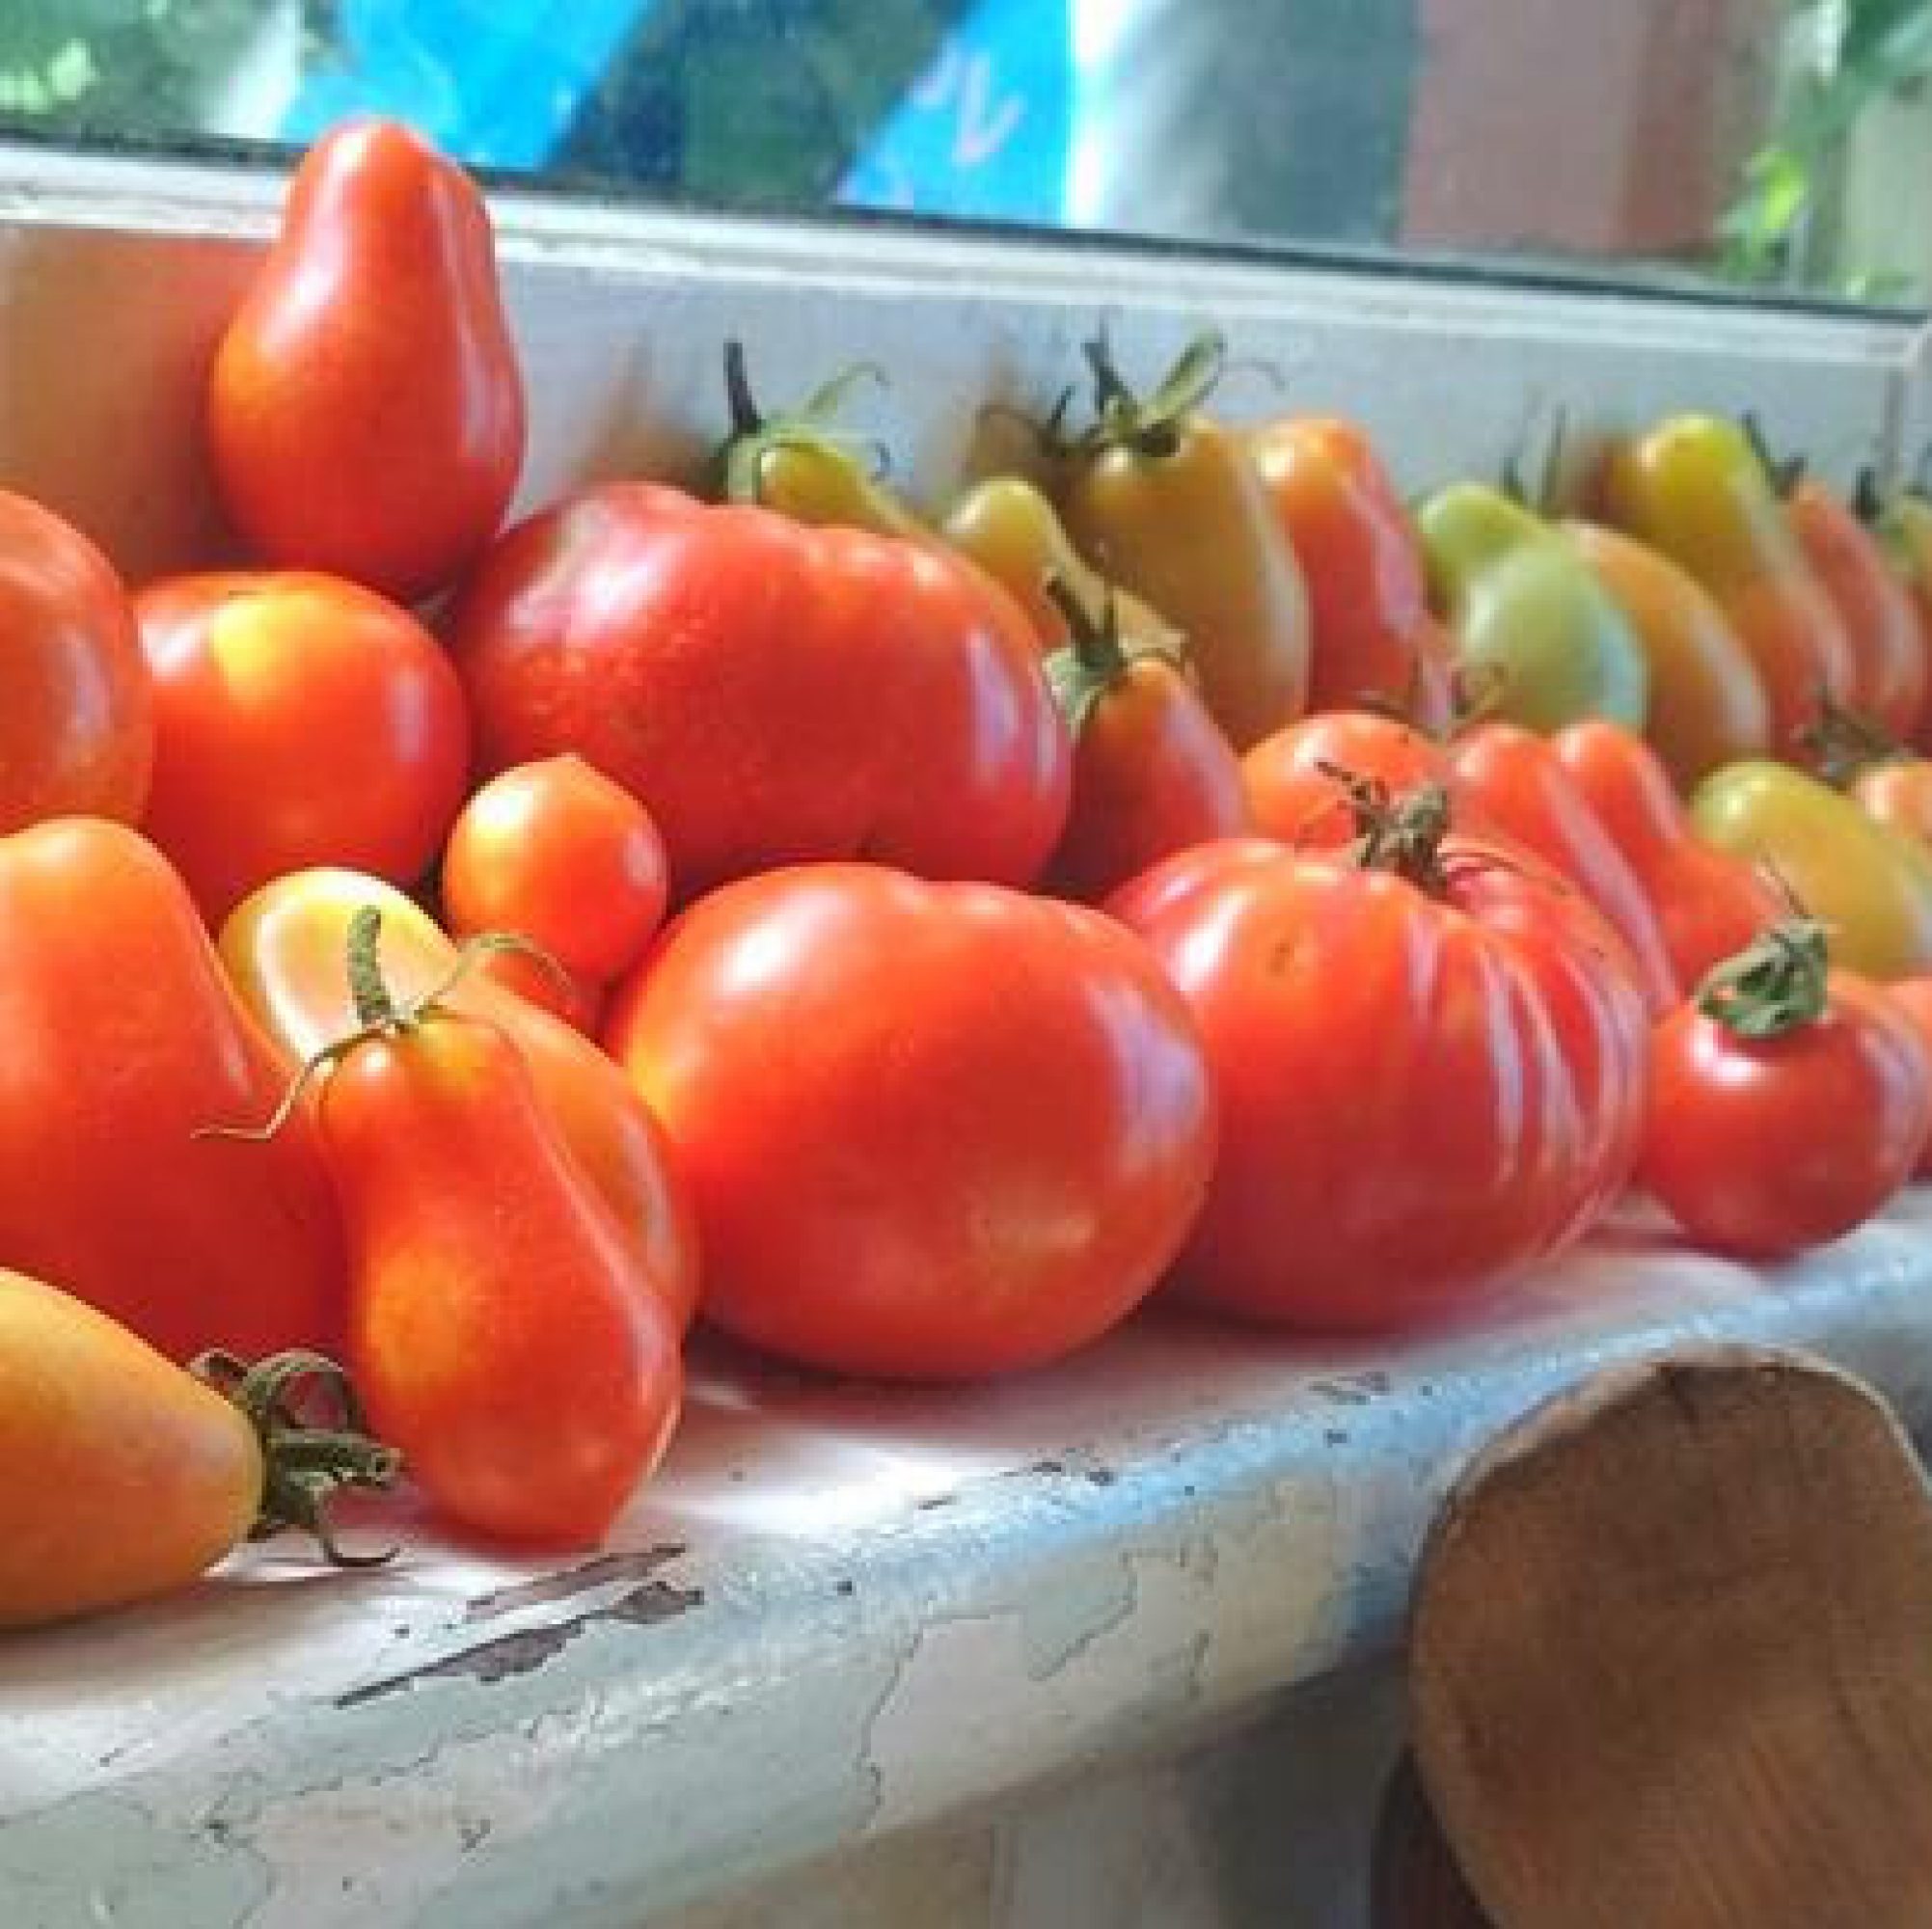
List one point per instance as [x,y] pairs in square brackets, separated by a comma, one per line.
[771,694]
[1151,774]
[504,1331]
[1898,791]
[558,852]
[1913,997]
[300,720]
[1760,1148]
[933,1132]
[1420,1095]
[366,410]
[76,722]
[124,1039]
[1293,791]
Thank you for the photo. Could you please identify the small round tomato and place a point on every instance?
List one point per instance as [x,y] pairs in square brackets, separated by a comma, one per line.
[1293,789]
[933,1132]
[1429,1058]
[557,852]
[1788,1103]
[77,723]
[300,720]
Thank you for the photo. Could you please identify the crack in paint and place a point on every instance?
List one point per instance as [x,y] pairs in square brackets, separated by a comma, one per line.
[526,1649]
[579,1580]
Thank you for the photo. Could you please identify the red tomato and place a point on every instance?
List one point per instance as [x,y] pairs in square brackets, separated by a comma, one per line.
[1292,787]
[1151,771]
[770,692]
[1913,997]
[1889,666]
[366,413]
[1516,783]
[934,1131]
[123,1041]
[556,851]
[1709,904]
[503,1331]
[77,723]
[1424,1085]
[300,720]
[1762,1145]
[1372,631]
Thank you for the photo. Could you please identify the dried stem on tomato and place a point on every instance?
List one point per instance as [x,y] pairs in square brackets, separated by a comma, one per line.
[304,1465]
[811,425]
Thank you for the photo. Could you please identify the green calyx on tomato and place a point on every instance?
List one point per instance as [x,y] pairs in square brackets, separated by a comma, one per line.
[1150,424]
[1776,984]
[304,1466]
[1096,656]
[379,1013]
[833,480]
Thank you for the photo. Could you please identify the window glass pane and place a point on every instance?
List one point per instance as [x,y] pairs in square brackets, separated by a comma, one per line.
[1767,146]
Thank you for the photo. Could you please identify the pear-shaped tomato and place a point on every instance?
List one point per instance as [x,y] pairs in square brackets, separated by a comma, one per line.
[1869,886]
[365,412]
[284,949]
[503,1331]
[1151,771]
[1010,529]
[1707,704]
[1164,498]
[1694,487]
[1709,903]
[76,718]
[1375,639]
[1535,632]
[124,1476]
[123,1041]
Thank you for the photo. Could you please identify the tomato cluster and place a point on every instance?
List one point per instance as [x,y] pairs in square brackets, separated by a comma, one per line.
[905,943]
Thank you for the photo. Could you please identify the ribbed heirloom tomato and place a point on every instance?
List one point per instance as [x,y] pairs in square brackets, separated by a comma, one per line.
[1429,1058]
[933,1132]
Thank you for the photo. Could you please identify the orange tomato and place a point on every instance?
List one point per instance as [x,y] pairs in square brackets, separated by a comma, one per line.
[126,1477]
[1290,778]
[1913,997]
[1707,705]
[554,850]
[284,948]
[300,720]
[1888,667]
[1372,639]
[124,1039]
[503,1331]
[1709,904]
[77,723]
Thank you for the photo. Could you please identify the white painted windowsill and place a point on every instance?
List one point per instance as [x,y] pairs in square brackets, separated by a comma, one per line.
[837,1612]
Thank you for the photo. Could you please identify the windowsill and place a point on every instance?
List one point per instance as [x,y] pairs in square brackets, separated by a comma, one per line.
[836,1612]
